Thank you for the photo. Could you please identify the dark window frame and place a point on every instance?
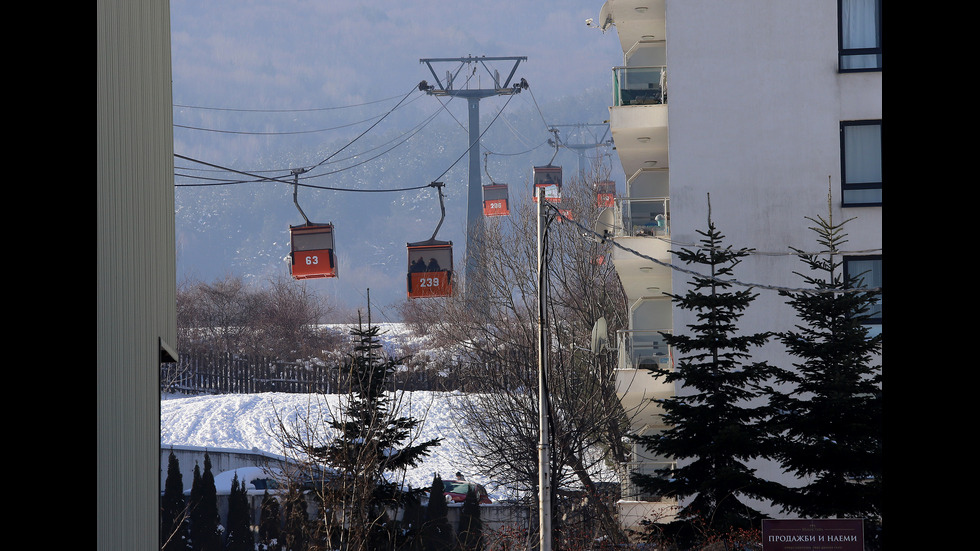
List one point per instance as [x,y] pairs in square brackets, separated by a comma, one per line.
[843,53]
[845,186]
[876,320]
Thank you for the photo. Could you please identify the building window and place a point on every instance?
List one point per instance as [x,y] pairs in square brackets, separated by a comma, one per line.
[860,143]
[859,35]
[867,271]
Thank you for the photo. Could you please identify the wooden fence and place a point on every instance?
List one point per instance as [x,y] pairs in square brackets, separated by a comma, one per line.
[221,373]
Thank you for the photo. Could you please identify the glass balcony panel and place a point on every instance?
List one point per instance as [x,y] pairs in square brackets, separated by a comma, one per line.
[631,491]
[647,216]
[639,85]
[639,349]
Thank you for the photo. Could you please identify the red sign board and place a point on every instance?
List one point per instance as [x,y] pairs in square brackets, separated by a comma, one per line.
[495,207]
[813,535]
[313,264]
[429,284]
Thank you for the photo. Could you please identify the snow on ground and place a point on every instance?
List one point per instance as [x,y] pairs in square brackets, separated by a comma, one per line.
[248,421]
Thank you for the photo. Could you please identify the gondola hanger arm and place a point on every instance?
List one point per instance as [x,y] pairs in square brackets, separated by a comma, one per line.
[296,172]
[442,207]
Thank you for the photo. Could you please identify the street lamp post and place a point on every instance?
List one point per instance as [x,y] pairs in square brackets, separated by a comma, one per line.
[544,446]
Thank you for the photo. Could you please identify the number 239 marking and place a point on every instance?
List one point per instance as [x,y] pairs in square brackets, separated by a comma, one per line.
[429,282]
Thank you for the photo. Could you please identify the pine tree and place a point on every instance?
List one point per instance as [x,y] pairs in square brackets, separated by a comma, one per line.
[829,421]
[174,522]
[205,524]
[712,421]
[294,532]
[413,519]
[269,522]
[239,536]
[194,511]
[437,533]
[372,445]
[470,523]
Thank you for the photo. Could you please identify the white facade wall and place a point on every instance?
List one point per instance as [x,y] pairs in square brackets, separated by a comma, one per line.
[755,106]
[755,109]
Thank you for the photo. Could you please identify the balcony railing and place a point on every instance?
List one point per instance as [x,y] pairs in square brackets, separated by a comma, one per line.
[639,85]
[639,349]
[645,216]
[632,492]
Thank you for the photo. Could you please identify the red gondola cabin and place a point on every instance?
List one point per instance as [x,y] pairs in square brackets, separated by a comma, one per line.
[312,251]
[605,194]
[430,269]
[549,179]
[495,200]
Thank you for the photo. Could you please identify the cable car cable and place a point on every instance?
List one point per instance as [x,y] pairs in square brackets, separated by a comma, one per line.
[418,129]
[359,136]
[270,179]
[283,133]
[478,138]
[260,178]
[283,110]
[245,133]
[536,106]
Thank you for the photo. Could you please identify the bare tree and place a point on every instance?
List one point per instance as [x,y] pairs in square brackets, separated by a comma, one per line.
[282,320]
[493,324]
[218,316]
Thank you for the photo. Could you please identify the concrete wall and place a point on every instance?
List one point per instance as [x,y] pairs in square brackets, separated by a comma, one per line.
[221,460]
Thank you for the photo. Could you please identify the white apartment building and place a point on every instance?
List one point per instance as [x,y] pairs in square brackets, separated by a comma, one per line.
[774,109]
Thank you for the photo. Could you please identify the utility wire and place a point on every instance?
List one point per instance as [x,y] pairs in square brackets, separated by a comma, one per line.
[702,276]
[755,252]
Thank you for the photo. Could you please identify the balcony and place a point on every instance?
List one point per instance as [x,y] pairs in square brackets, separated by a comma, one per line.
[648,216]
[636,507]
[644,349]
[632,492]
[639,86]
[638,117]
[636,386]
[642,261]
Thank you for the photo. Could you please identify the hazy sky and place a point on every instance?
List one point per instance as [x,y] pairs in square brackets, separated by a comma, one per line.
[320,53]
[244,58]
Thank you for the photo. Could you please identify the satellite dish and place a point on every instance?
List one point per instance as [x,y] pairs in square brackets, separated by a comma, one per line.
[605,224]
[599,338]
